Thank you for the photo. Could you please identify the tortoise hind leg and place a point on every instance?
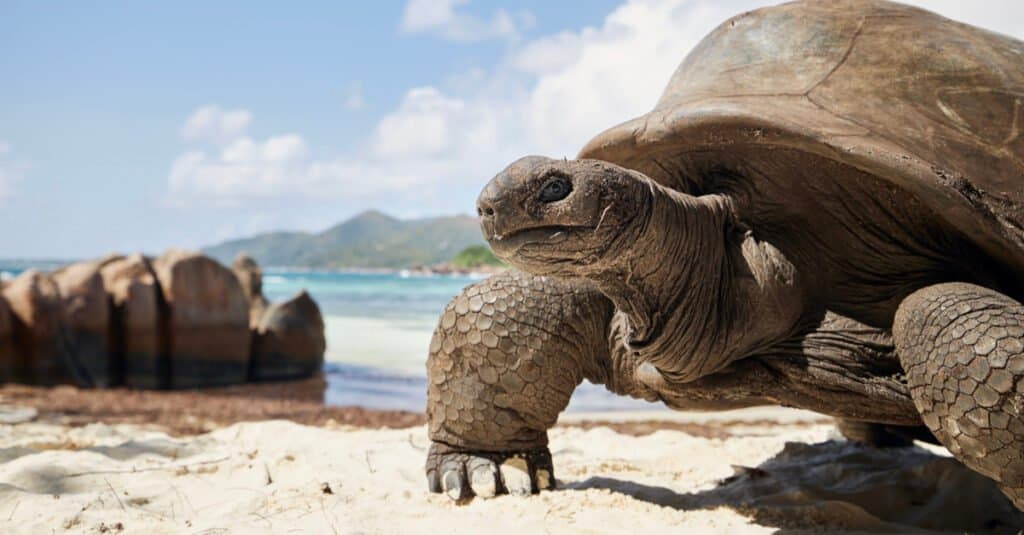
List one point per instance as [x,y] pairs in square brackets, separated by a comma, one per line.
[962,347]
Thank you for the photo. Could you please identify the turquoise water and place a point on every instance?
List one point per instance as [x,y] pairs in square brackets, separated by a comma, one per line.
[375,320]
[378,329]
[385,295]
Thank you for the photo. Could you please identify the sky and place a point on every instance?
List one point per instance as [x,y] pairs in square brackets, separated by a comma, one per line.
[131,126]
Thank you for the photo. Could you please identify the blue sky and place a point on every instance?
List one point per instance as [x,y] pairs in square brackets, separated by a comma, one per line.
[138,126]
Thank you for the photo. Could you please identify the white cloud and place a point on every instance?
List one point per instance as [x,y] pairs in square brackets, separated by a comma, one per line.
[551,53]
[442,18]
[550,95]
[609,74]
[12,170]
[421,126]
[429,124]
[279,166]
[212,124]
[243,168]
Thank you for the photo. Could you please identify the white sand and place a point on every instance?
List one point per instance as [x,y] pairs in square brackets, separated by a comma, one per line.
[268,477]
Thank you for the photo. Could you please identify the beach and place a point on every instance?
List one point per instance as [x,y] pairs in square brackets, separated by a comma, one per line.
[758,470]
[344,452]
[388,267]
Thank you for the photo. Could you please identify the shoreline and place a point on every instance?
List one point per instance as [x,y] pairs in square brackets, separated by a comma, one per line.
[192,412]
[442,270]
[439,270]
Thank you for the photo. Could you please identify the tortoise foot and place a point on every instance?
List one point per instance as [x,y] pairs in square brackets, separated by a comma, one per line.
[464,474]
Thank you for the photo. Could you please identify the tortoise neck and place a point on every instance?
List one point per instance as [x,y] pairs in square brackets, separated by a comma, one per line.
[693,288]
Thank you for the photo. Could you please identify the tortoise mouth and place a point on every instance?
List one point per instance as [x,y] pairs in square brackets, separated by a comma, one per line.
[541,237]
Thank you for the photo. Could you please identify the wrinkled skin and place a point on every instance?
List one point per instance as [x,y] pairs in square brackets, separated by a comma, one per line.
[648,249]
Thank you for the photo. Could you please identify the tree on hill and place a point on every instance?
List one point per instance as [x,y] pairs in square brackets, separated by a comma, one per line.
[475,256]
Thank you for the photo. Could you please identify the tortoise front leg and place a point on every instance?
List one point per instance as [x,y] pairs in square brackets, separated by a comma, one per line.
[504,360]
[963,350]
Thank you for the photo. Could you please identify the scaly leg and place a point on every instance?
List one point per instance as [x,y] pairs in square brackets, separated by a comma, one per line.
[504,360]
[963,350]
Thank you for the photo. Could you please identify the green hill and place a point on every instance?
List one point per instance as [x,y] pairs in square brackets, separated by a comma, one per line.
[475,256]
[369,240]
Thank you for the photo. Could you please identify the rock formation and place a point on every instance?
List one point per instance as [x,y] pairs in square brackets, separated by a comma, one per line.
[208,320]
[8,353]
[40,331]
[181,320]
[138,341]
[289,341]
[250,276]
[87,313]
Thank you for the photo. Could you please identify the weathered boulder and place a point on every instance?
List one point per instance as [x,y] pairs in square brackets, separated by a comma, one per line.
[289,340]
[87,312]
[40,330]
[137,341]
[108,258]
[208,320]
[8,354]
[250,276]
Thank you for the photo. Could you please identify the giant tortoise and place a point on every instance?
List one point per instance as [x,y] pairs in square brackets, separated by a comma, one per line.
[824,210]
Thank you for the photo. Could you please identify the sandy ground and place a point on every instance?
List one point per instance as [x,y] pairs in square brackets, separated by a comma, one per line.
[754,471]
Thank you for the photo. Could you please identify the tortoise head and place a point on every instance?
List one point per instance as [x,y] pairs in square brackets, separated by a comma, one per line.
[696,290]
[559,217]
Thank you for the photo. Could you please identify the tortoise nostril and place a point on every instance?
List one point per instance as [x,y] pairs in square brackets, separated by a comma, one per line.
[485,209]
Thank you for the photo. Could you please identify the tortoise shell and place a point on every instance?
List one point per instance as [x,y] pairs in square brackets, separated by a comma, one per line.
[930,105]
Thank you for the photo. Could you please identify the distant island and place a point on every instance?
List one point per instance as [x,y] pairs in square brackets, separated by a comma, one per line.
[372,240]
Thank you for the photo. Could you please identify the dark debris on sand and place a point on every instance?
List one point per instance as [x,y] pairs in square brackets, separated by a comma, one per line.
[188,412]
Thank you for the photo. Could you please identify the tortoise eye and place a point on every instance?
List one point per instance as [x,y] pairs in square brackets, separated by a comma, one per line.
[555,189]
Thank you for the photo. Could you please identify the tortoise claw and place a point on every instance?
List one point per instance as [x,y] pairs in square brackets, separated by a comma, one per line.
[515,473]
[433,481]
[464,474]
[483,477]
[454,482]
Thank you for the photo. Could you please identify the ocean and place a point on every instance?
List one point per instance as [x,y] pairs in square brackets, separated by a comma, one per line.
[378,328]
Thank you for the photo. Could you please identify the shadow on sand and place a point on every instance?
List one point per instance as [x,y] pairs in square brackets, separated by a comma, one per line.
[845,486]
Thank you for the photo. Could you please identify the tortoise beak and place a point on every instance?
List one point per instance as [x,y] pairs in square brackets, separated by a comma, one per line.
[495,212]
